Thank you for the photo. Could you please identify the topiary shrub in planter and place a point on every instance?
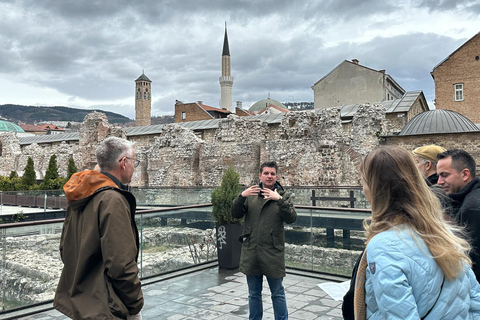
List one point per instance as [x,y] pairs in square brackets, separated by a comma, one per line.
[228,228]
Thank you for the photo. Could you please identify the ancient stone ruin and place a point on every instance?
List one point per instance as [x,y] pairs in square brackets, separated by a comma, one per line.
[311,147]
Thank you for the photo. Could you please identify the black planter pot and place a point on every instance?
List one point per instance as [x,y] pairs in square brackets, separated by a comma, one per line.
[228,246]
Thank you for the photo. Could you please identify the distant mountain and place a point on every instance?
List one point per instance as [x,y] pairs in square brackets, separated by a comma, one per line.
[163,119]
[30,114]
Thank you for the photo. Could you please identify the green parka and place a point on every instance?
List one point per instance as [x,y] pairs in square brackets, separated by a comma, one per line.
[263,237]
[99,248]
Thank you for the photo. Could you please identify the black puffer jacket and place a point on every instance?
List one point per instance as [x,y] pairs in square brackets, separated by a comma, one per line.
[466,211]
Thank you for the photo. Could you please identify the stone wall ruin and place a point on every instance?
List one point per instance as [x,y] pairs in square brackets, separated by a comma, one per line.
[312,148]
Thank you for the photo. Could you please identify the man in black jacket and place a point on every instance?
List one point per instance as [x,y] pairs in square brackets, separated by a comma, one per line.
[456,171]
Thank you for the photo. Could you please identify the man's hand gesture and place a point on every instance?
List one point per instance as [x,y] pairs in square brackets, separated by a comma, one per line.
[252,191]
[271,194]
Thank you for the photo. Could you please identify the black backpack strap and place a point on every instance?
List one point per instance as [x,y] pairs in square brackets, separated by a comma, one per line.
[441,287]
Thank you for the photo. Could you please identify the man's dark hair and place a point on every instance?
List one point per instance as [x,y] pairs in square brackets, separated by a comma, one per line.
[269,164]
[461,159]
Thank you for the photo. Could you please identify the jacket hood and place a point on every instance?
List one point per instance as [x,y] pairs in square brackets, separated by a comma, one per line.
[84,184]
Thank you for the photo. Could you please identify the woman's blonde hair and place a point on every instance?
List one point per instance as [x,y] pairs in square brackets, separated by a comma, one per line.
[399,195]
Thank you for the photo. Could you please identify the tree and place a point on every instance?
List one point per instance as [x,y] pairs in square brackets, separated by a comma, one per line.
[72,168]
[223,196]
[52,170]
[29,177]
[51,181]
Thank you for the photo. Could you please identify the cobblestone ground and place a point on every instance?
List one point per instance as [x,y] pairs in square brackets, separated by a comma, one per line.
[222,294]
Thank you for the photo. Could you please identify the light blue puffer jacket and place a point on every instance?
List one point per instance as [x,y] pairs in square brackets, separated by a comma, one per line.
[403,281]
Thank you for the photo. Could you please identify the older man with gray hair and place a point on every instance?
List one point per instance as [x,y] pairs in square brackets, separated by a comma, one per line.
[426,162]
[99,244]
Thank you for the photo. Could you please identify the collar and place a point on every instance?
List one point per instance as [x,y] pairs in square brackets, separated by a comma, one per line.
[117,182]
[432,179]
[277,186]
[472,185]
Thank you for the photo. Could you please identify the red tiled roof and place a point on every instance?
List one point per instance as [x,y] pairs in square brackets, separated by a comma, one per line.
[51,127]
[247,112]
[208,108]
[278,108]
[30,128]
[275,107]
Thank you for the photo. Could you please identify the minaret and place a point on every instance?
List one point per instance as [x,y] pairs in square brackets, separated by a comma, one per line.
[226,80]
[143,101]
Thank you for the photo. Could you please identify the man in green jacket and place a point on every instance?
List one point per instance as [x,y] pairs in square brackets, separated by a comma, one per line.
[266,207]
[99,242]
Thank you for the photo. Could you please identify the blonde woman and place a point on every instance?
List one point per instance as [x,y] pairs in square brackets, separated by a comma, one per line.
[415,265]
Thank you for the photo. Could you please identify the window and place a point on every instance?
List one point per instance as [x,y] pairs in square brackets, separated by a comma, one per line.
[458,91]
[184,115]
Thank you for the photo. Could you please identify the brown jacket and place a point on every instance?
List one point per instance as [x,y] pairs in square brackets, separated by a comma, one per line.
[99,249]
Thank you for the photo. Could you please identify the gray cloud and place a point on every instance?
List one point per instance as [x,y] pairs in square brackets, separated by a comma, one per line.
[451,5]
[94,50]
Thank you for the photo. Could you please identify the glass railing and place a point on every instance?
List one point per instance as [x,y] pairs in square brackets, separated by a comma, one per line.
[322,239]
[172,196]
[327,240]
[17,206]
[327,196]
[171,239]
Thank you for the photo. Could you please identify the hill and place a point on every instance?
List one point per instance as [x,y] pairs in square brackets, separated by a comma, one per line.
[163,119]
[30,114]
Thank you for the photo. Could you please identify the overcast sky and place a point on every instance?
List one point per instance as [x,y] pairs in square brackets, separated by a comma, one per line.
[87,54]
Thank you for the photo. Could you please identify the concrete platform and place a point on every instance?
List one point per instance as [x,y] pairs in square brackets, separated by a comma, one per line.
[215,293]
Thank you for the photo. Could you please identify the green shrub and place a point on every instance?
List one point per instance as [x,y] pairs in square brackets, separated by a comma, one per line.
[52,170]
[6,184]
[71,169]
[29,178]
[223,196]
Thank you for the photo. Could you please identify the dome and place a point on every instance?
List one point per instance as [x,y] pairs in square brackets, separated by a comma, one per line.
[9,126]
[438,121]
[262,104]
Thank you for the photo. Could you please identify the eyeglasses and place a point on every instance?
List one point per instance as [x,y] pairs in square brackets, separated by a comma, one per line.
[135,161]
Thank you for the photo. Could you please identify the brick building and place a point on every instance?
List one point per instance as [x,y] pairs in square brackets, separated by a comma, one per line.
[194,111]
[457,80]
